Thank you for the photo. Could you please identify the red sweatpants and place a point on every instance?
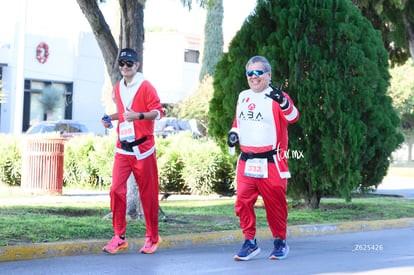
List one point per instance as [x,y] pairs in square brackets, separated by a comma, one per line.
[146,175]
[273,192]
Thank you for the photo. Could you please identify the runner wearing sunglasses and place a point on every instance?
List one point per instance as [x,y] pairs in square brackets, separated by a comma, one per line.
[260,126]
[138,105]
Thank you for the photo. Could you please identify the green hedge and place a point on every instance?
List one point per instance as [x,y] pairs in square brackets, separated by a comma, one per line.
[193,165]
[88,161]
[10,160]
[185,164]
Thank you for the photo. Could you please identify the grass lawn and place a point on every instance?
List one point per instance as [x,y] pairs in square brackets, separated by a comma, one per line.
[64,221]
[54,222]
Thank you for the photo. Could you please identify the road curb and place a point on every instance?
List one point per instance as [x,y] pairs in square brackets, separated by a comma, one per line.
[47,250]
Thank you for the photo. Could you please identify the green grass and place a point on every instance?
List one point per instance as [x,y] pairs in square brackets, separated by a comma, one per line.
[82,221]
[55,222]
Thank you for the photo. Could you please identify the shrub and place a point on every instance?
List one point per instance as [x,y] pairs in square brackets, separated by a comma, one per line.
[196,105]
[170,162]
[102,158]
[170,168]
[79,170]
[206,169]
[10,160]
[185,164]
[332,63]
[193,165]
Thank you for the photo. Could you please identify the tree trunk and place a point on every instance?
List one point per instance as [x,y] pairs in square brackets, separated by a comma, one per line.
[131,36]
[104,37]
[314,199]
[134,206]
[409,140]
[132,27]
[409,27]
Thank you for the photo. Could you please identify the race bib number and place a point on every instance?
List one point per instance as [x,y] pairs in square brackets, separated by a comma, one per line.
[126,131]
[256,168]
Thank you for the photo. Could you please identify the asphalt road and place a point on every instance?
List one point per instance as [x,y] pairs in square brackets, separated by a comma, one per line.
[373,252]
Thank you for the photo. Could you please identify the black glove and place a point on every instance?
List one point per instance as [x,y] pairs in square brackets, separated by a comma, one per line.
[276,94]
[232,139]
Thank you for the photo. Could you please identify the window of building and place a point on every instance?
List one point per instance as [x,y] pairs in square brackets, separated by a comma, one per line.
[46,100]
[191,56]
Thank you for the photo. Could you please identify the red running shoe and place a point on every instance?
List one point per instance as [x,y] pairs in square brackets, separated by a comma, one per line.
[150,247]
[115,245]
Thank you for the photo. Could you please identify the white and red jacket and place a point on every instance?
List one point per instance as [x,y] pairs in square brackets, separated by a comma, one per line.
[141,97]
[262,126]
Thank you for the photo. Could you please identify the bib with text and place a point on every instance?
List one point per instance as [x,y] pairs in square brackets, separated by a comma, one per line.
[256,168]
[126,131]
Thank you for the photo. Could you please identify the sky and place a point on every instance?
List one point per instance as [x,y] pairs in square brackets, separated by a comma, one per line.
[64,17]
[235,12]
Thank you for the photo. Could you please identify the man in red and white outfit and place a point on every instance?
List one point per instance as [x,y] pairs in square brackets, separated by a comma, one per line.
[138,105]
[260,126]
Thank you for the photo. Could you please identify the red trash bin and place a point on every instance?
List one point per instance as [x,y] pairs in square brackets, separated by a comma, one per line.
[42,167]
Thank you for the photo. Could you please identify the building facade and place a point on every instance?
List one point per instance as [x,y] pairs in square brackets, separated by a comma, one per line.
[42,68]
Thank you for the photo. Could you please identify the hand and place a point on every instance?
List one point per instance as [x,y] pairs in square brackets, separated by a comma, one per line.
[232,139]
[130,115]
[276,95]
[106,122]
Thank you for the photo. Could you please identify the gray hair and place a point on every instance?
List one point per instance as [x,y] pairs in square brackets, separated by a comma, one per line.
[261,59]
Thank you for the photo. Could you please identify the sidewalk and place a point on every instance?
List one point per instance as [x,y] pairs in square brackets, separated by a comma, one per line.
[398,186]
[67,196]
[84,196]
[46,250]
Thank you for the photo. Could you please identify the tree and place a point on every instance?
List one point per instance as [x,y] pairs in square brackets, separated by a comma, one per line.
[131,32]
[196,105]
[131,35]
[402,93]
[332,63]
[395,20]
[189,3]
[213,38]
[50,99]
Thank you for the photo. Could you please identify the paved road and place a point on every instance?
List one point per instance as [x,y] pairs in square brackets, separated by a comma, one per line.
[374,252]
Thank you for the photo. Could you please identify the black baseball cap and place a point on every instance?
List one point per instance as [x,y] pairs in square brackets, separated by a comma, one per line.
[128,54]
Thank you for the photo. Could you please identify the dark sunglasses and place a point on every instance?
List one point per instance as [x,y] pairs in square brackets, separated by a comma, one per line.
[122,63]
[256,72]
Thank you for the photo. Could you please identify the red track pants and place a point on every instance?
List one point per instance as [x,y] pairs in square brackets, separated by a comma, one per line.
[273,192]
[146,175]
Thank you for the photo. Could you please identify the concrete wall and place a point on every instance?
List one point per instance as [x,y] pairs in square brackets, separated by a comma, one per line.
[164,66]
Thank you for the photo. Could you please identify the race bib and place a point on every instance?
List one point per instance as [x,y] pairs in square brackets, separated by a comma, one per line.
[256,168]
[126,131]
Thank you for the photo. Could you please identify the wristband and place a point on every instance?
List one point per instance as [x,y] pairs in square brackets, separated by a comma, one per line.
[141,116]
[285,104]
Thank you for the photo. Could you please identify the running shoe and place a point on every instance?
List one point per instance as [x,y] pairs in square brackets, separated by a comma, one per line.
[248,251]
[150,247]
[115,245]
[280,250]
